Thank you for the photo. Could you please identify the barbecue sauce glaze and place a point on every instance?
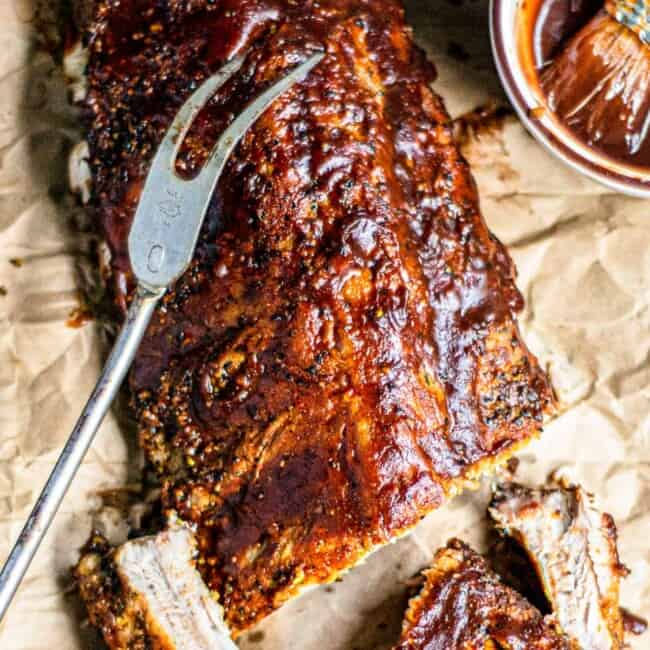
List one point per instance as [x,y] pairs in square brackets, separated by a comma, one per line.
[465,605]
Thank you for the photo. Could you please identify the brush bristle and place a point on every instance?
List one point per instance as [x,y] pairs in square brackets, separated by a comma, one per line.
[634,14]
[599,86]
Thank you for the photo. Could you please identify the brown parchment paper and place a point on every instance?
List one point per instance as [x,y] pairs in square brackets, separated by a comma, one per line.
[584,261]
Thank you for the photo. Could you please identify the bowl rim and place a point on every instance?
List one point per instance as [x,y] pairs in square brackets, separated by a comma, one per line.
[548,134]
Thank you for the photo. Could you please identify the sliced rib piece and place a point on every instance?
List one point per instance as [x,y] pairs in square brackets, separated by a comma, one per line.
[573,548]
[343,353]
[465,606]
[148,594]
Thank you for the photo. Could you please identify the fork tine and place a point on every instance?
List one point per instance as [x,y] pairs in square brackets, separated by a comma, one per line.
[209,174]
[165,157]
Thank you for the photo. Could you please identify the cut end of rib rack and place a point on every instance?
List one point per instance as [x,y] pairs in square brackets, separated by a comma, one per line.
[148,593]
[572,546]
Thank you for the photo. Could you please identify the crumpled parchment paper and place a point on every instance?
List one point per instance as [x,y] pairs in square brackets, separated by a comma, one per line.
[583,254]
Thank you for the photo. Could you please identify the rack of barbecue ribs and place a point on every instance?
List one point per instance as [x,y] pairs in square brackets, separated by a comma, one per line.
[342,355]
[464,605]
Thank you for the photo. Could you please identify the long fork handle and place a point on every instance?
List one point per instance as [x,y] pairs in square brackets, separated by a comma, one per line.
[116,368]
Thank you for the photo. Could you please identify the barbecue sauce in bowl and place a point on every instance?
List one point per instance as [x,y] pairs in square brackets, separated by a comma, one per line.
[593,75]
[556,21]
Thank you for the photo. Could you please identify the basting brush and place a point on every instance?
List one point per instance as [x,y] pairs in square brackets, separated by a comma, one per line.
[599,83]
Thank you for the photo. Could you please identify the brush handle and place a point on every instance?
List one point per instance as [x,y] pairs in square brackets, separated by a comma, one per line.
[634,14]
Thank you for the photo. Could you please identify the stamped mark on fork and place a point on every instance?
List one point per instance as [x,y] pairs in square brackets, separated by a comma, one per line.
[170,209]
[155,258]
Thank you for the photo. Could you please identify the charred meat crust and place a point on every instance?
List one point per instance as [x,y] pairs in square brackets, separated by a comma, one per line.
[464,605]
[343,352]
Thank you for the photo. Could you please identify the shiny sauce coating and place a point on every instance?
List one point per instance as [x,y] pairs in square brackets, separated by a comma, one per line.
[464,605]
[343,352]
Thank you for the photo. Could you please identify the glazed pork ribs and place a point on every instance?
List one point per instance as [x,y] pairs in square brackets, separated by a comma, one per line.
[342,355]
[464,605]
[568,547]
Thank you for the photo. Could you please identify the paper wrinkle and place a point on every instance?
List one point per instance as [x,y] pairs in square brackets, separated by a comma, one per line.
[583,255]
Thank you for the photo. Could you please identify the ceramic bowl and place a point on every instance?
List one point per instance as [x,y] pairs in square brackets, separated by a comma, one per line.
[510,27]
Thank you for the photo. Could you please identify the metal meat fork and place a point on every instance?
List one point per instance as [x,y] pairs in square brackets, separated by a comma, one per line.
[161,244]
